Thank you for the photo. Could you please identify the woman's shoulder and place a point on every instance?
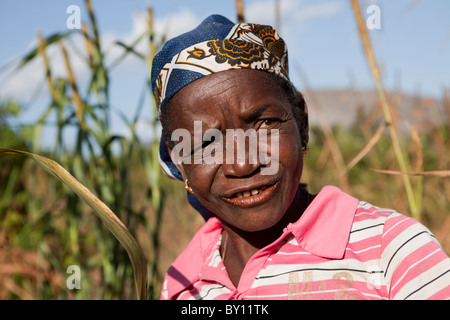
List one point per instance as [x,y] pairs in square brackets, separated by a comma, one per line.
[189,263]
[393,223]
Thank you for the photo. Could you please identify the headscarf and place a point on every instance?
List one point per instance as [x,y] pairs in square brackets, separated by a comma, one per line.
[215,45]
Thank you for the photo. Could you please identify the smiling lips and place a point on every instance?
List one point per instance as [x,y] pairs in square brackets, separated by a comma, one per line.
[250,193]
[253,197]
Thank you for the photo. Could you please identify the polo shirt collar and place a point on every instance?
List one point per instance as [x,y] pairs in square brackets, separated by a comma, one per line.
[324,227]
[322,230]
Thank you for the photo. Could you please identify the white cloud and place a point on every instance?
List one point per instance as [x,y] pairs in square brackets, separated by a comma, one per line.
[177,23]
[295,15]
[22,83]
[164,27]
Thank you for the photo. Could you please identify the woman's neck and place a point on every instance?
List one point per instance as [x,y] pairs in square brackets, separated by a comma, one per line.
[238,246]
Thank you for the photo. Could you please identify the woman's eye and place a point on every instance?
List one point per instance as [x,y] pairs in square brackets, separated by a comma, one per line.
[268,123]
[204,145]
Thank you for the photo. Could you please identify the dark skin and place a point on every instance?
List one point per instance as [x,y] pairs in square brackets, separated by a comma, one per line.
[245,99]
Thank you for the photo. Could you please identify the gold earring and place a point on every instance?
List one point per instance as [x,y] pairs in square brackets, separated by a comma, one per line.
[305,150]
[187,187]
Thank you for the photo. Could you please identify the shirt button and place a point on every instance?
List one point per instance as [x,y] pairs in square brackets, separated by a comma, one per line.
[288,228]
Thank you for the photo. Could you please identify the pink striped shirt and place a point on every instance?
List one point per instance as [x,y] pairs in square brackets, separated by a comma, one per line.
[340,248]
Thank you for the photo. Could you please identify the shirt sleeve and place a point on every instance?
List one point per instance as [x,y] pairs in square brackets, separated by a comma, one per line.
[415,265]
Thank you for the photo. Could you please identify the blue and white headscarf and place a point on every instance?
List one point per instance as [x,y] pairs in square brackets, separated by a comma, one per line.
[215,45]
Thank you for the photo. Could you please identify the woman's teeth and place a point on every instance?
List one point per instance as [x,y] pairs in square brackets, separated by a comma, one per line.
[249,193]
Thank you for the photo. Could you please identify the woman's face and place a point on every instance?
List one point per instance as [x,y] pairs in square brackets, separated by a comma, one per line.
[240,191]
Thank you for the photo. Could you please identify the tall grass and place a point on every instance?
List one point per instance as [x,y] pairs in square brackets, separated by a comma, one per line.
[83,240]
[45,226]
[402,160]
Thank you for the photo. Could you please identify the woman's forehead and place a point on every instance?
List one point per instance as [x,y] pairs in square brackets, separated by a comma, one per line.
[237,91]
[228,84]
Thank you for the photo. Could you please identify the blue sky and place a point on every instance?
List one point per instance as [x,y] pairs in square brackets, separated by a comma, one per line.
[412,46]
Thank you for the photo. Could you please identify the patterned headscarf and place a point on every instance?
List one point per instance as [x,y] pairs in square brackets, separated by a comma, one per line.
[215,45]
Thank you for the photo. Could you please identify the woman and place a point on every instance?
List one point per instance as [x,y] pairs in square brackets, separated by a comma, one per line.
[223,89]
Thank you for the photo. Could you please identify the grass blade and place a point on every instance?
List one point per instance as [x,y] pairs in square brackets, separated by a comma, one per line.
[48,41]
[79,104]
[110,220]
[372,142]
[436,173]
[402,161]
[240,11]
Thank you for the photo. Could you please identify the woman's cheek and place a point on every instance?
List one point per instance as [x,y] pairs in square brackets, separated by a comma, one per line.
[286,149]
[201,177]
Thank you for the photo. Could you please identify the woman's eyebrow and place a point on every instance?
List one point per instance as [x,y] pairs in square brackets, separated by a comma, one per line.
[254,114]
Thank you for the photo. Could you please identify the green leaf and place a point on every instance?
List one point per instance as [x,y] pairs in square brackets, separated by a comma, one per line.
[48,41]
[110,220]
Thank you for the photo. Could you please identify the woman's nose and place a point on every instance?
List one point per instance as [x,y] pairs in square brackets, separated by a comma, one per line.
[239,170]
[241,159]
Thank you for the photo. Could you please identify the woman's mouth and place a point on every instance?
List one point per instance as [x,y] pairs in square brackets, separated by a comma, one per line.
[253,196]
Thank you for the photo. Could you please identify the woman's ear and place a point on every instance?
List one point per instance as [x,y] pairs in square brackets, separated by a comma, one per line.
[304,125]
[300,110]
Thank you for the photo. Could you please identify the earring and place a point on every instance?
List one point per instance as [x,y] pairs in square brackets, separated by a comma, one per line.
[187,187]
[305,150]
